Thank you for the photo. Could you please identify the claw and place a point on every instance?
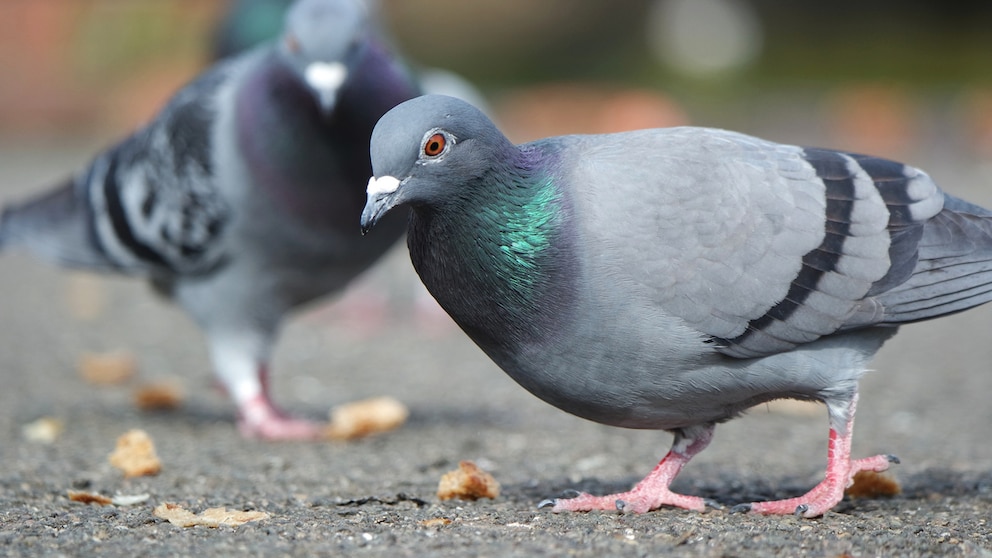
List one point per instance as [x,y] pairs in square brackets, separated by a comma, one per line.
[893,459]
[741,508]
[801,509]
[653,490]
[570,493]
[712,504]
[547,503]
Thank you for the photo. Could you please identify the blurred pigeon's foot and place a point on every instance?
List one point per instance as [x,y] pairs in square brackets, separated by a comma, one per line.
[260,419]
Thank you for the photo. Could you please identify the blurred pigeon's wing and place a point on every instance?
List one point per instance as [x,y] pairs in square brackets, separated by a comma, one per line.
[154,199]
[760,246]
[148,203]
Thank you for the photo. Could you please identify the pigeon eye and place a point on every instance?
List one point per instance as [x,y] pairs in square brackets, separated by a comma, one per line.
[435,144]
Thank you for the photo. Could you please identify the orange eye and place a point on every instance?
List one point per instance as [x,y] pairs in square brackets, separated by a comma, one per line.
[435,145]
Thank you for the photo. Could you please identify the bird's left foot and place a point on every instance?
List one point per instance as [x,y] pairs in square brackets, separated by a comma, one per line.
[634,501]
[823,496]
[261,420]
[653,491]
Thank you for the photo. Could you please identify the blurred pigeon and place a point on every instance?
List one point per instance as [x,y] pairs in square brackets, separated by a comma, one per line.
[672,278]
[247,23]
[238,200]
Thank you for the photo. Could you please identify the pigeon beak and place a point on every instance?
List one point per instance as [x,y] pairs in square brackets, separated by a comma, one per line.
[326,79]
[380,200]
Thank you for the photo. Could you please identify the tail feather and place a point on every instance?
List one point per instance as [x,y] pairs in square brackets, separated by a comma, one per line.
[954,269]
[55,226]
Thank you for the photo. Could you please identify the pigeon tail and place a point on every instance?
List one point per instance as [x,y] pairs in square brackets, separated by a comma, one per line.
[954,269]
[54,226]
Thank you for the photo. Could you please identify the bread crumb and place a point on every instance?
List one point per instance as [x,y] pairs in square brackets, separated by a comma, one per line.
[119,500]
[436,522]
[212,517]
[869,484]
[89,498]
[161,396]
[364,418]
[135,454]
[110,368]
[44,430]
[468,482]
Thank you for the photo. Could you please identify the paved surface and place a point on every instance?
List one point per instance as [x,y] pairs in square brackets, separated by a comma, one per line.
[928,403]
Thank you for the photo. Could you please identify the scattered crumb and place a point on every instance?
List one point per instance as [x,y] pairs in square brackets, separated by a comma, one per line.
[869,484]
[89,498]
[436,522]
[44,430]
[135,454]
[119,500]
[212,517]
[468,482]
[161,396]
[363,418]
[110,368]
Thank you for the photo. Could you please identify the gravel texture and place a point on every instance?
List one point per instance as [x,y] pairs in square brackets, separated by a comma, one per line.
[928,403]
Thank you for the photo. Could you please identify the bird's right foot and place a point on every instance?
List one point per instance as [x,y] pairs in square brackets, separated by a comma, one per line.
[261,420]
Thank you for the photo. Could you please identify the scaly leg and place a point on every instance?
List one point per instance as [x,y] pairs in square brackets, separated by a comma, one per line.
[653,491]
[840,471]
[240,363]
[258,417]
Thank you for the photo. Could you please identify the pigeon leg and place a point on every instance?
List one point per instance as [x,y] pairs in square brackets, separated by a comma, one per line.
[246,380]
[652,492]
[840,471]
[258,417]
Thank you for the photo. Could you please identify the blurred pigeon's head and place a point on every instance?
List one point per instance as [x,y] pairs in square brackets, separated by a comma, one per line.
[425,149]
[323,41]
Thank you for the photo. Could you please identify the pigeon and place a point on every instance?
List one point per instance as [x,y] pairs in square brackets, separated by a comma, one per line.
[246,23]
[673,278]
[238,199]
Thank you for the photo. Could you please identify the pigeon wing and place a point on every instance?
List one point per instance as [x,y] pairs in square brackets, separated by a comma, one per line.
[761,247]
[154,200]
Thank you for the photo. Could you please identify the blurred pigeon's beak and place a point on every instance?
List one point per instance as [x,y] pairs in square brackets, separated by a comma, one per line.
[326,79]
[380,200]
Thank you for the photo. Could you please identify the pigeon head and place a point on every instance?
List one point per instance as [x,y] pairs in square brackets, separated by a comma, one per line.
[426,149]
[323,40]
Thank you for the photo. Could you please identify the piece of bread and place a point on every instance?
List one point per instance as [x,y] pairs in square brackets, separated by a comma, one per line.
[467,482]
[367,417]
[135,454]
[212,517]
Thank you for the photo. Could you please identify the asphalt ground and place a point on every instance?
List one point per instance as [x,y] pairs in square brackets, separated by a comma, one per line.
[926,401]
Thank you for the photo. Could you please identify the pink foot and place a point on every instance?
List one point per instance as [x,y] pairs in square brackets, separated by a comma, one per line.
[260,419]
[653,491]
[840,474]
[825,495]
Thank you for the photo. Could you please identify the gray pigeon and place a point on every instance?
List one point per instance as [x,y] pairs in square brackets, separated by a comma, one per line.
[673,278]
[238,200]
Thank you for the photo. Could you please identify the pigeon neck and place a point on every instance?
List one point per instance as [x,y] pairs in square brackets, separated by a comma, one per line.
[491,262]
[303,161]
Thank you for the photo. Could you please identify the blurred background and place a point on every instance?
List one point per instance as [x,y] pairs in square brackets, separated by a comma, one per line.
[907,79]
[897,78]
